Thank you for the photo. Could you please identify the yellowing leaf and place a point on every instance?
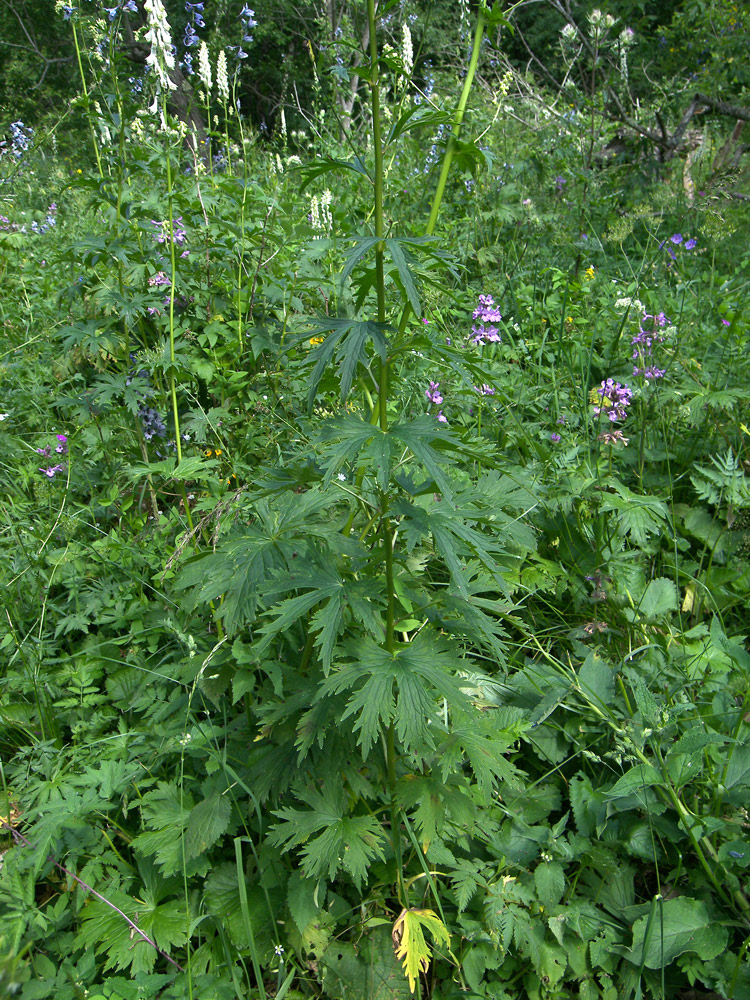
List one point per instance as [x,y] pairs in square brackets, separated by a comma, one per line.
[410,944]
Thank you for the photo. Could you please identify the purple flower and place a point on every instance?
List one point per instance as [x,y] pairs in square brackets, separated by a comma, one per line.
[690,244]
[487,315]
[650,373]
[555,437]
[676,239]
[613,399]
[726,322]
[433,393]
[485,390]
[52,470]
[561,420]
[442,419]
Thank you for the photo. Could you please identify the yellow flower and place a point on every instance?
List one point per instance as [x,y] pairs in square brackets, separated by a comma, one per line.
[590,272]
[316,340]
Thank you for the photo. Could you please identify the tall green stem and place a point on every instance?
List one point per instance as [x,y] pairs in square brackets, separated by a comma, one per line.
[86,99]
[457,122]
[386,527]
[458,119]
[173,276]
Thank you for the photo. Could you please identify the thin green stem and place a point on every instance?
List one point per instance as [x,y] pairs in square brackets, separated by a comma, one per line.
[86,98]
[386,527]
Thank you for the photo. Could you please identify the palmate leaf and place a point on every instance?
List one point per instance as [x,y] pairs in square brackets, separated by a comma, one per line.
[346,339]
[637,516]
[401,687]
[241,563]
[452,535]
[343,841]
[435,802]
[421,436]
[412,948]
[351,439]
[475,737]
[330,164]
[325,586]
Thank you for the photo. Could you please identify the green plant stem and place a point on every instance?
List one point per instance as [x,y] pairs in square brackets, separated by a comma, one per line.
[86,98]
[450,150]
[457,122]
[386,527]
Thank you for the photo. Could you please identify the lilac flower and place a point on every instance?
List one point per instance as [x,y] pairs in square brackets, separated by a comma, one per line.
[62,444]
[487,314]
[442,419]
[613,399]
[560,183]
[561,420]
[690,244]
[650,373]
[45,452]
[726,322]
[66,12]
[433,393]
[676,239]
[52,470]
[190,37]
[158,280]
[555,437]
[130,6]
[484,390]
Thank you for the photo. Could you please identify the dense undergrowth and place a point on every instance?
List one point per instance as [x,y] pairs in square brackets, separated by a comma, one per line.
[375,558]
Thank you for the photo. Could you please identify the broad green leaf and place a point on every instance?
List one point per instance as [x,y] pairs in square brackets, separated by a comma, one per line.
[207,822]
[550,882]
[596,679]
[300,894]
[370,970]
[675,926]
[659,599]
[638,777]
[738,769]
[221,899]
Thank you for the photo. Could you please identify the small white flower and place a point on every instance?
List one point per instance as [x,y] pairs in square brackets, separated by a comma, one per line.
[4,416]
[278,949]
[341,477]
